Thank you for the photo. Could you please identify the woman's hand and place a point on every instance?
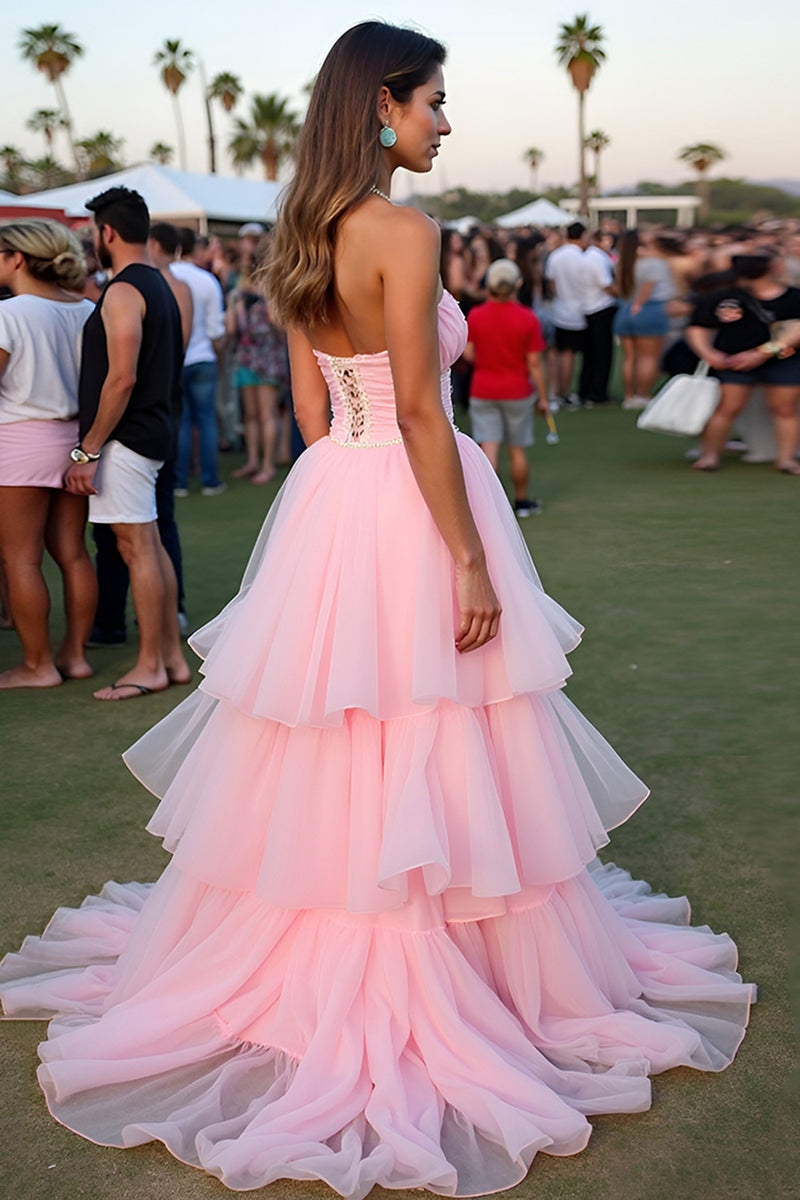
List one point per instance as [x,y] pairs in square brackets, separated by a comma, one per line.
[479,607]
[747,360]
[717,360]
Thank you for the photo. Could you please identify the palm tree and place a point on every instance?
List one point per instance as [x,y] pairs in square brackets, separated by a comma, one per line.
[533,158]
[176,64]
[47,173]
[100,153]
[702,157]
[597,141]
[270,135]
[161,153]
[227,88]
[46,121]
[53,51]
[579,49]
[13,163]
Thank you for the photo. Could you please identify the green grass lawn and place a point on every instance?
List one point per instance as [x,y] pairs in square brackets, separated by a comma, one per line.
[688,586]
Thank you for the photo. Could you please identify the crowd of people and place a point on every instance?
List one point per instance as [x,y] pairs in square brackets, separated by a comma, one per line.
[107,368]
[545,309]
[667,299]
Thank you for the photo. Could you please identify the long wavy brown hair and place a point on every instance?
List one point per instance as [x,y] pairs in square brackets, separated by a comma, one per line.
[628,248]
[338,159]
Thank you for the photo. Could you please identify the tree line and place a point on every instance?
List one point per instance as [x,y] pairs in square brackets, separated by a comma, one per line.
[266,135]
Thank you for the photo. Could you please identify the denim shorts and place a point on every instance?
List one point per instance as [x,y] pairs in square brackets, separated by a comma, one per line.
[650,321]
[509,421]
[775,372]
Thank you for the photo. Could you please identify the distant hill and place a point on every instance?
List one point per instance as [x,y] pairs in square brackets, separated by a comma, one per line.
[792,186]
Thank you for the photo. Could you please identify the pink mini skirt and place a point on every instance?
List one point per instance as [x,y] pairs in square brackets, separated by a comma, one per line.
[36,453]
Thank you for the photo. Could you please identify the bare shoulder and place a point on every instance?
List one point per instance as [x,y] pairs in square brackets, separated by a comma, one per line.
[385,224]
[181,289]
[122,299]
[412,244]
[414,228]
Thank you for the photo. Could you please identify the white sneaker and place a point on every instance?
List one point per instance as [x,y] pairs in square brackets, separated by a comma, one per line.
[636,402]
[216,490]
[180,492]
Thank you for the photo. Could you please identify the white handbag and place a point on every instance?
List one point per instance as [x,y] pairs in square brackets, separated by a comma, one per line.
[683,405]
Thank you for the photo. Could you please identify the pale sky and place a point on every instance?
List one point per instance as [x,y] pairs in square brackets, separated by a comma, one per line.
[677,72]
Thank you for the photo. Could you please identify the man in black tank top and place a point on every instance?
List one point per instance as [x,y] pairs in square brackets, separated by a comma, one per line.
[129,406]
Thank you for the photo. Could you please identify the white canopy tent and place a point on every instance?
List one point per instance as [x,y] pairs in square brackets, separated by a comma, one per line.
[538,212]
[463,225]
[179,196]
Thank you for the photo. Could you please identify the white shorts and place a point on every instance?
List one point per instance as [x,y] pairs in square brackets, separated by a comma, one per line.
[126,487]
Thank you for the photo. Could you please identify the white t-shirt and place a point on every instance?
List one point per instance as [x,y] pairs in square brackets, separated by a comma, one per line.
[598,275]
[566,269]
[208,320]
[43,340]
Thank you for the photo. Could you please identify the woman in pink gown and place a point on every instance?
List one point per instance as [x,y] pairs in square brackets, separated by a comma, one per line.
[383,951]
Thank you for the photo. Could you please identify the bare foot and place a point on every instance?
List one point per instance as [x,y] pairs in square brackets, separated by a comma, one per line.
[263,476]
[74,668]
[25,677]
[134,684]
[245,471]
[788,468]
[179,671]
[706,462]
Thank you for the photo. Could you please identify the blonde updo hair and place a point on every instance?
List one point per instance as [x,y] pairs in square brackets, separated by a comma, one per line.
[51,251]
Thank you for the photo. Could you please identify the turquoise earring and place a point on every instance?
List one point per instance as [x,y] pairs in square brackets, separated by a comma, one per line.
[387,136]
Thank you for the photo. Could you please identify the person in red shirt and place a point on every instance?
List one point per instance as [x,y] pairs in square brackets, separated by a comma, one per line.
[505,341]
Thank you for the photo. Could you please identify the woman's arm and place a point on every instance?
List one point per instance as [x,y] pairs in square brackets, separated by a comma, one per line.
[231,322]
[642,295]
[410,272]
[312,405]
[455,275]
[4,357]
[699,340]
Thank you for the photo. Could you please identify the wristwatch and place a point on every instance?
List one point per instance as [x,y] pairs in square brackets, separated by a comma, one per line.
[79,455]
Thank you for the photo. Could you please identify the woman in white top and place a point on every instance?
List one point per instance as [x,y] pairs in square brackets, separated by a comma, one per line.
[40,341]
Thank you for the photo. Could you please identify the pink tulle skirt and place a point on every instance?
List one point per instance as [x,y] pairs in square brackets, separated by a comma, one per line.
[384,951]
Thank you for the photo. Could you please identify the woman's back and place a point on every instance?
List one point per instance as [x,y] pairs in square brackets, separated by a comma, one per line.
[43,339]
[362,255]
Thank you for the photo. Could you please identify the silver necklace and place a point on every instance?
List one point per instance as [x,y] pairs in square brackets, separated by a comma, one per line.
[383,195]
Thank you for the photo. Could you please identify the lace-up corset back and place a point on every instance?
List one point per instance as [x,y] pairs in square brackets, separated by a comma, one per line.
[362,389]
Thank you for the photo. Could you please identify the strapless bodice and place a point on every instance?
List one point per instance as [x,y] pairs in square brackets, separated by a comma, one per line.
[362,389]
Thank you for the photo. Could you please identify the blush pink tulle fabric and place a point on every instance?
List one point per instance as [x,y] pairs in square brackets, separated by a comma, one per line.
[383,951]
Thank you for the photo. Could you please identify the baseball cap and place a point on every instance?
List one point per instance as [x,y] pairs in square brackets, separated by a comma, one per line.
[503,275]
[252,229]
